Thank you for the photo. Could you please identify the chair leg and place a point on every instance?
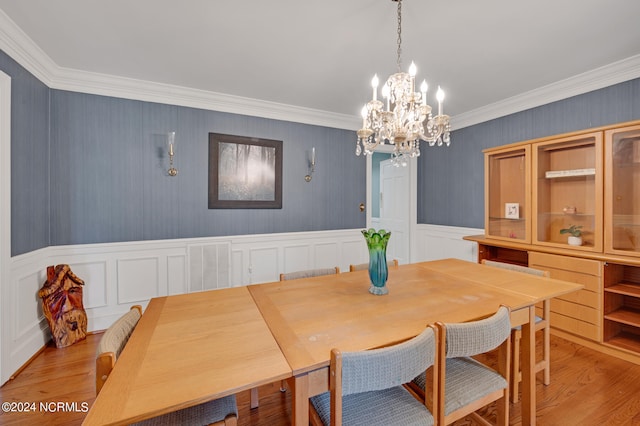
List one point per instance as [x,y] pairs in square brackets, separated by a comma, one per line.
[283,386]
[516,336]
[502,418]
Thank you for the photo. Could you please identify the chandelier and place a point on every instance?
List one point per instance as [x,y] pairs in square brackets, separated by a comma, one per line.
[404,118]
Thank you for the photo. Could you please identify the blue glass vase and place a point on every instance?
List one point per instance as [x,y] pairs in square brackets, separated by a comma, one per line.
[378,270]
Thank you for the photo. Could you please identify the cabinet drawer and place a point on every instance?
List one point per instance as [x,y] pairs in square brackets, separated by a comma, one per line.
[587,272]
[583,297]
[579,312]
[575,326]
[566,263]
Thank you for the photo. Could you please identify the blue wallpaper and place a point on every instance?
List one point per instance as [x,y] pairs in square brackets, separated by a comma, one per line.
[451,180]
[113,183]
[29,159]
[92,169]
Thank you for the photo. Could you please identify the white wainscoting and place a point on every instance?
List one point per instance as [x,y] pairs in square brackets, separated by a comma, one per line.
[441,242]
[119,275]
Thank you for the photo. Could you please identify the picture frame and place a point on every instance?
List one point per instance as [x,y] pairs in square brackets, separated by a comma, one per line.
[512,210]
[244,172]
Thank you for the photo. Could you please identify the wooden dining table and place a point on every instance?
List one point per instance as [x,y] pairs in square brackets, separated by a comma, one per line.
[308,317]
[192,348]
[186,350]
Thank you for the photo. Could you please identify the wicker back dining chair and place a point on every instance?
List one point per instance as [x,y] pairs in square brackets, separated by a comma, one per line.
[542,324]
[308,273]
[466,384]
[364,266]
[366,387]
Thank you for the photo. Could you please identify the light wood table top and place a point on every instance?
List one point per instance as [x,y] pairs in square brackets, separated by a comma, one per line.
[525,284]
[310,316]
[186,350]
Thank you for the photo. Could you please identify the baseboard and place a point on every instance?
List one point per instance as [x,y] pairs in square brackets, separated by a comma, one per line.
[600,347]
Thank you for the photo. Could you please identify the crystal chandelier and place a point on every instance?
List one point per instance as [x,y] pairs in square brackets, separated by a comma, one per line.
[405,117]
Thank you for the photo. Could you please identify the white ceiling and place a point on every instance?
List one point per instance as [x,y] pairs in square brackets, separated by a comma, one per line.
[321,55]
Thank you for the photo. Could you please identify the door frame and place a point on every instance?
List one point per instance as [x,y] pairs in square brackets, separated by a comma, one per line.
[5,224]
[412,212]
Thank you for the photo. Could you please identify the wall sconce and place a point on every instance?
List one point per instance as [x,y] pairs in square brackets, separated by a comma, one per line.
[312,165]
[171,142]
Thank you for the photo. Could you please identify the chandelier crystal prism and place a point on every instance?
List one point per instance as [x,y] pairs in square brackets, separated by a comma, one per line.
[404,118]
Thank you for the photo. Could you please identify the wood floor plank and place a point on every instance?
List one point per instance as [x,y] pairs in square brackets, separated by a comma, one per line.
[587,388]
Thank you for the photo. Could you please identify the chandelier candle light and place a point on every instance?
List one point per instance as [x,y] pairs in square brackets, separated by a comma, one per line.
[405,117]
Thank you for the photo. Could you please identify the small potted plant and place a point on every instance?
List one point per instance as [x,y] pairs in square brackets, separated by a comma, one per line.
[575,235]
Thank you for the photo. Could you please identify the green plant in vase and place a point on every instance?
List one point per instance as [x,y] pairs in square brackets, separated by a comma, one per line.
[575,234]
[378,270]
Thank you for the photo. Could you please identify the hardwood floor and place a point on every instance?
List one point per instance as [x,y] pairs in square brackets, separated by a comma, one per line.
[587,388]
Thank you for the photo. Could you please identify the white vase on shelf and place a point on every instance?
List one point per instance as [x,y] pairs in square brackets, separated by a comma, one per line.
[574,241]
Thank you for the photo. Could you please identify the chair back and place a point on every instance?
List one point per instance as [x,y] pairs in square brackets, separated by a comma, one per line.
[113,342]
[387,367]
[517,268]
[364,266]
[309,273]
[476,337]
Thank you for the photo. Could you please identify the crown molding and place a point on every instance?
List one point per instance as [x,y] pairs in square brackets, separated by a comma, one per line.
[121,87]
[15,43]
[23,50]
[608,75]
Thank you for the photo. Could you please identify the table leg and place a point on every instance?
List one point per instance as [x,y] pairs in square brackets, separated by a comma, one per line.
[528,347]
[300,403]
[253,401]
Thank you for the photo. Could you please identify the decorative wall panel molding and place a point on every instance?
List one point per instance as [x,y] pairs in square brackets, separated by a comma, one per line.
[118,275]
[138,280]
[441,242]
[176,274]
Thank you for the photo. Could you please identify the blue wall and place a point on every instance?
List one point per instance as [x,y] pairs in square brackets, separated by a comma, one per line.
[113,185]
[91,169]
[451,180]
[29,158]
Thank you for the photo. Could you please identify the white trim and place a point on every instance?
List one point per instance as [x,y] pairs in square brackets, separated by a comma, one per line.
[22,49]
[237,261]
[27,53]
[608,75]
[5,220]
[441,242]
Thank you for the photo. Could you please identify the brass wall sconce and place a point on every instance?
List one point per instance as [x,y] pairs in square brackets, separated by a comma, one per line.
[171,142]
[312,165]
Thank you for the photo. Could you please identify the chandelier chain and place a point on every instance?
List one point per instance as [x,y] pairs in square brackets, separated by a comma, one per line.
[399,61]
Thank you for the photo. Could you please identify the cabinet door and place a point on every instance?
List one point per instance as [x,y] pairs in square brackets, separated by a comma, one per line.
[567,192]
[508,194]
[622,192]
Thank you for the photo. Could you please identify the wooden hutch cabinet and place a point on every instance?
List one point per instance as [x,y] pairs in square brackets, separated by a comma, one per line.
[537,192]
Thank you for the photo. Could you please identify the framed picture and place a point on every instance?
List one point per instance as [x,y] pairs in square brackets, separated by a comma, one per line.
[244,173]
[512,210]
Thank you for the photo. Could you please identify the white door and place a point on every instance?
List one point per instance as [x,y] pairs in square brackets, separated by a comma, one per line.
[394,209]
